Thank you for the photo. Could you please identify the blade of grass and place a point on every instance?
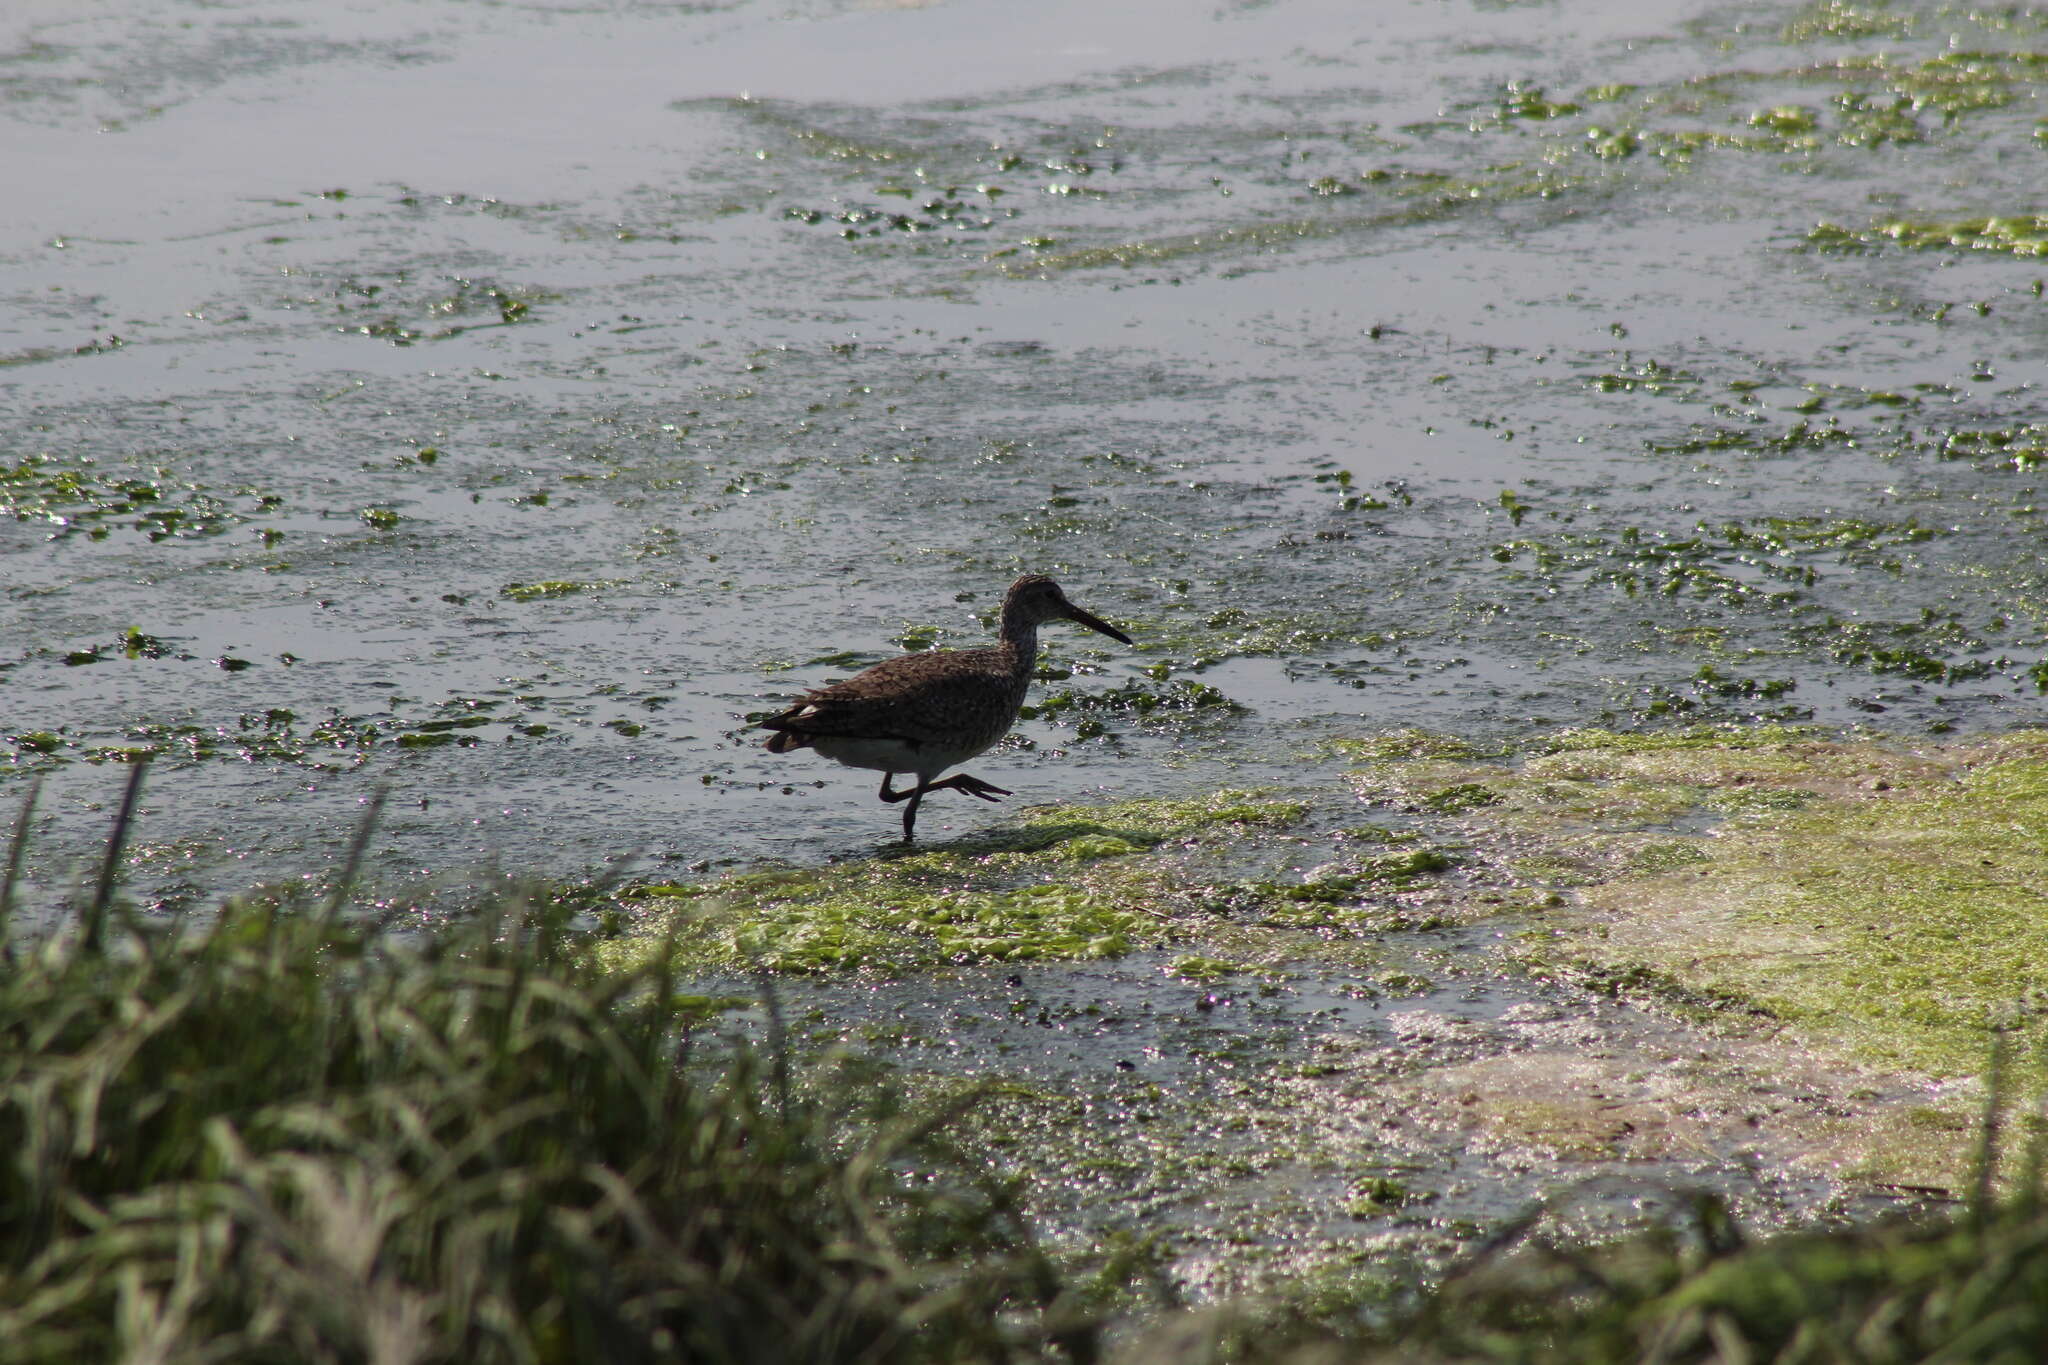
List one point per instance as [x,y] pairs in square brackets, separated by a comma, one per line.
[353,863]
[110,867]
[1985,1175]
[16,848]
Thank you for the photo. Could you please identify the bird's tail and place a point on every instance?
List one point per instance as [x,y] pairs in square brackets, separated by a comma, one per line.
[782,741]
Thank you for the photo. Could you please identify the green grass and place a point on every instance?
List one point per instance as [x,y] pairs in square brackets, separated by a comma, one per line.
[1968,1290]
[289,1136]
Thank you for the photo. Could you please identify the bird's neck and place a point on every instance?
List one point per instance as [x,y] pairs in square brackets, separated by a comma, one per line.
[1020,643]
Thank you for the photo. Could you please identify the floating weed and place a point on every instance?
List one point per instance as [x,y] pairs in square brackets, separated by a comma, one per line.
[1649,376]
[2021,449]
[1179,819]
[336,742]
[1086,848]
[1786,120]
[1719,739]
[1407,743]
[1204,969]
[1234,632]
[1935,647]
[1347,894]
[1797,576]
[404,310]
[1846,21]
[1179,700]
[557,587]
[813,140]
[1458,797]
[1802,437]
[1436,199]
[949,209]
[1521,101]
[1719,562]
[2018,235]
[82,499]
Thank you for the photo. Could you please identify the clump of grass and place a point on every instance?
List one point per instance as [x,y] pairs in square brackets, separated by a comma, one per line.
[1964,1289]
[291,1136]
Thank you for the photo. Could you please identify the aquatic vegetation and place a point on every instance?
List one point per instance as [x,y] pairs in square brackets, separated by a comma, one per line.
[766,379]
[336,742]
[1808,587]
[403,308]
[1062,885]
[1196,634]
[1648,376]
[1876,897]
[533,592]
[814,140]
[827,927]
[1520,101]
[1408,743]
[1178,699]
[2020,449]
[82,498]
[1848,21]
[946,209]
[1343,894]
[1936,647]
[1722,563]
[1430,199]
[2021,235]
[1897,921]
[302,1200]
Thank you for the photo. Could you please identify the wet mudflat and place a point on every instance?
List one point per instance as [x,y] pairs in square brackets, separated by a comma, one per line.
[501,405]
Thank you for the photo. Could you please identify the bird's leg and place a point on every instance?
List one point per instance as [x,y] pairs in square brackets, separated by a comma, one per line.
[973,786]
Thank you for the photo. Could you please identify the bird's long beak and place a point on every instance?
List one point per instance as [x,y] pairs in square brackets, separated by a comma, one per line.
[1096,623]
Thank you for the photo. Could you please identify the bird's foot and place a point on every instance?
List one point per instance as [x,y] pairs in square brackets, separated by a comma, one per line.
[973,786]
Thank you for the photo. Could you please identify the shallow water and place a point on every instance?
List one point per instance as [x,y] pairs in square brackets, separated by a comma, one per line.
[1156,279]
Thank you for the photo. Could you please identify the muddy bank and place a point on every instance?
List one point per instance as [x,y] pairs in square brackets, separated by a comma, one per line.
[1334,1036]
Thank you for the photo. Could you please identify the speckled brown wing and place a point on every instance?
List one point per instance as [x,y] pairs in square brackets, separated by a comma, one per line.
[949,699]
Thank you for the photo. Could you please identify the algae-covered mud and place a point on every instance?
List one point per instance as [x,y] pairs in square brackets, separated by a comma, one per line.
[1330,1040]
[499,405]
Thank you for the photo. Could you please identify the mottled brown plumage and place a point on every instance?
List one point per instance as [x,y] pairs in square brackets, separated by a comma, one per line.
[925,713]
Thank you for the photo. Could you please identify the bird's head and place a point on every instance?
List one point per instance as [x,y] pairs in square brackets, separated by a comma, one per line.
[1035,599]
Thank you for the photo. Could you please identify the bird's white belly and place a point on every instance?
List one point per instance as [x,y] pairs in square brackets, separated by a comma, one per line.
[889,755]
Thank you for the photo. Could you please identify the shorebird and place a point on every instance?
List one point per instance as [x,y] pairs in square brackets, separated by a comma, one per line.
[924,713]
